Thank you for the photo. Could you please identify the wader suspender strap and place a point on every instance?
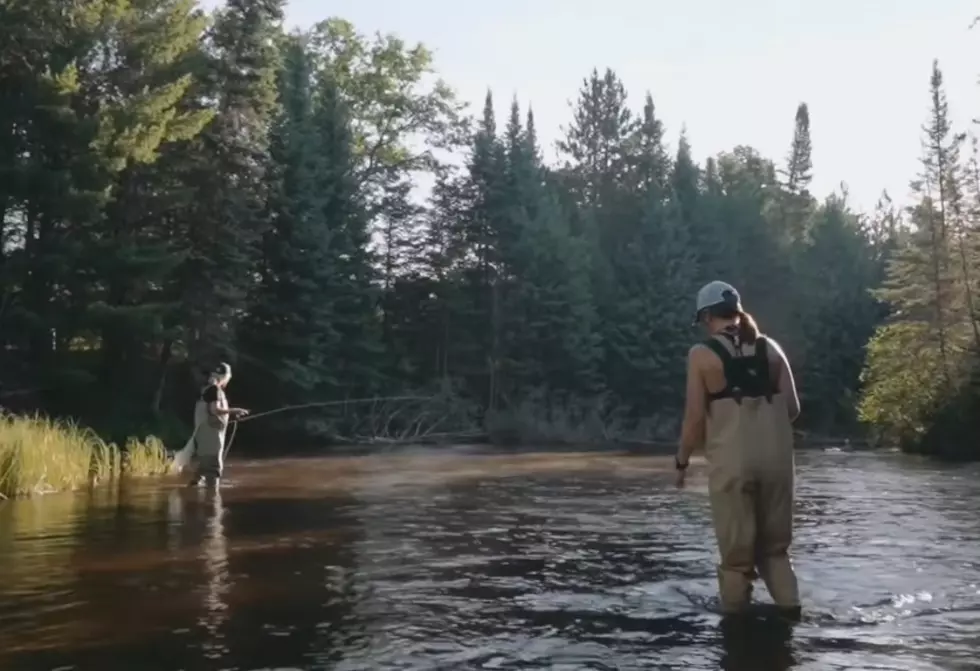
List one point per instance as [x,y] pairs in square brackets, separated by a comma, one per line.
[762,353]
[734,382]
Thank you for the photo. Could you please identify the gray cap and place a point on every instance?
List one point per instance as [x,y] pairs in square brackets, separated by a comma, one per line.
[716,293]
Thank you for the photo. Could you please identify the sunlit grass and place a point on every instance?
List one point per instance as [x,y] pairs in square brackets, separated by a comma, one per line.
[40,455]
[147,457]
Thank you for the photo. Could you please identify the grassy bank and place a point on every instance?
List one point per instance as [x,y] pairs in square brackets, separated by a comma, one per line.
[39,455]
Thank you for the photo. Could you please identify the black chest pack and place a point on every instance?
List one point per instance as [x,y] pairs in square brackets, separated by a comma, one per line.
[746,376]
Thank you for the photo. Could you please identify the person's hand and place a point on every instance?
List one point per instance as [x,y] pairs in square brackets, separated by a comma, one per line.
[240,412]
[680,474]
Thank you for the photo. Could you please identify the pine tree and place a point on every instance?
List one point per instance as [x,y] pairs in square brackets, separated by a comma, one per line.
[227,167]
[926,292]
[134,250]
[796,206]
[940,193]
[755,260]
[290,331]
[552,348]
[685,197]
[836,274]
[968,233]
[650,161]
[90,130]
[443,259]
[48,170]
[484,219]
[800,163]
[354,296]
[596,144]
[548,342]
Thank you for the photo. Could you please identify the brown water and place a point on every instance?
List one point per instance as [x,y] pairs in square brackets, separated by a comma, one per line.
[444,560]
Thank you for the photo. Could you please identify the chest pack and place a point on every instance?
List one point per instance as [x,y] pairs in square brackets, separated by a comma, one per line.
[746,376]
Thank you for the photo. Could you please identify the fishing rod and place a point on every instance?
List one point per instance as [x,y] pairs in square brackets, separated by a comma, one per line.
[325,404]
[304,406]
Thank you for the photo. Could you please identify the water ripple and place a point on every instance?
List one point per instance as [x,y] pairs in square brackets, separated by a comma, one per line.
[442,561]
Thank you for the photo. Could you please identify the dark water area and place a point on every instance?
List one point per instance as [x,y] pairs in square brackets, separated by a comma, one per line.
[437,560]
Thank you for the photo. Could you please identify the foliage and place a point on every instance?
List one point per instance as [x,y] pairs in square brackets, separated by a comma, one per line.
[179,188]
[931,289]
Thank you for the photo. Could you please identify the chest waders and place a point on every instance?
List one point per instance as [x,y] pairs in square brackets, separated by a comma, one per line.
[209,440]
[749,448]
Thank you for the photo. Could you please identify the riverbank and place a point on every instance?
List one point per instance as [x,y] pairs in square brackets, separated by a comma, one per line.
[40,456]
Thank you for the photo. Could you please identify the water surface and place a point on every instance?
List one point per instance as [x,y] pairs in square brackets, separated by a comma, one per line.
[448,560]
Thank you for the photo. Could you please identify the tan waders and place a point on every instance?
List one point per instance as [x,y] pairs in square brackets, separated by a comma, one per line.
[210,440]
[749,448]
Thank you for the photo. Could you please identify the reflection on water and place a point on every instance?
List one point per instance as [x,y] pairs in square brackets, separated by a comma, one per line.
[452,561]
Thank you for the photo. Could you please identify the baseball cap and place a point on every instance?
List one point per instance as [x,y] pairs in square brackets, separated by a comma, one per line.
[716,293]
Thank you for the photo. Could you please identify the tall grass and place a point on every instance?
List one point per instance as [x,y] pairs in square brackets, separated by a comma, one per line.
[146,457]
[40,455]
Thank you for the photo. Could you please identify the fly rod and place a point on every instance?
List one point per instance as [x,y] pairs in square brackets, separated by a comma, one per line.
[324,404]
[304,406]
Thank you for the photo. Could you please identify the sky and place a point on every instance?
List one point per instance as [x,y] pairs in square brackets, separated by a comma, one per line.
[729,72]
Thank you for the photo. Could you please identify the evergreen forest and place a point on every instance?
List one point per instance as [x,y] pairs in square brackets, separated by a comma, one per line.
[181,187]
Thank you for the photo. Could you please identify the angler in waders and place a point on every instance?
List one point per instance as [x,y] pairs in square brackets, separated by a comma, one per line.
[741,402]
[211,416]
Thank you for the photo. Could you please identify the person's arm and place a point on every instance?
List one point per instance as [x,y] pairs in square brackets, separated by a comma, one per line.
[211,398]
[787,385]
[695,408]
[216,411]
[227,411]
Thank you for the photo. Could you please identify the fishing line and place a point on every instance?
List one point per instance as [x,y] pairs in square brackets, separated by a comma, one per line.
[324,404]
[304,406]
[234,430]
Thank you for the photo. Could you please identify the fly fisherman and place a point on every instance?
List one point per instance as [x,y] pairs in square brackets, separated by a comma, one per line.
[211,416]
[741,402]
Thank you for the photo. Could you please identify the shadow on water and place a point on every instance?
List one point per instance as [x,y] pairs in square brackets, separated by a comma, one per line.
[441,561]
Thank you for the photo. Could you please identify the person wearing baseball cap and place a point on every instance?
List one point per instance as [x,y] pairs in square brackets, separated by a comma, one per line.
[741,402]
[211,415]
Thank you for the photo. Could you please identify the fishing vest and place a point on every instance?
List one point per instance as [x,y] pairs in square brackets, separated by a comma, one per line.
[746,376]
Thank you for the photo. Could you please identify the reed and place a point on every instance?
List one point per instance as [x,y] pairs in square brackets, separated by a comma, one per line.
[39,455]
[146,457]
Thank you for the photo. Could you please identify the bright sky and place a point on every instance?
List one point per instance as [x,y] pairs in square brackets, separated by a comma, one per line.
[731,72]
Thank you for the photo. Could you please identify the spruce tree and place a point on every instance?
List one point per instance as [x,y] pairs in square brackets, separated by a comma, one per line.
[926,293]
[478,351]
[289,331]
[836,274]
[134,249]
[796,203]
[596,143]
[357,360]
[227,167]
[800,163]
[550,348]
[90,131]
[650,162]
[685,196]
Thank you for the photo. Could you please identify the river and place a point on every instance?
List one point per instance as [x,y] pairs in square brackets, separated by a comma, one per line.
[447,559]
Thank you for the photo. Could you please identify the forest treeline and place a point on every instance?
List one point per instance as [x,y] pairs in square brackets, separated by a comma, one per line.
[179,188]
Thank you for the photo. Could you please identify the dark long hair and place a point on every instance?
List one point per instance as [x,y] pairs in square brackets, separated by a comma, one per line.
[748,330]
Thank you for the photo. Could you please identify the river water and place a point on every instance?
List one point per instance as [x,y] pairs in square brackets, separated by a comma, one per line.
[455,560]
